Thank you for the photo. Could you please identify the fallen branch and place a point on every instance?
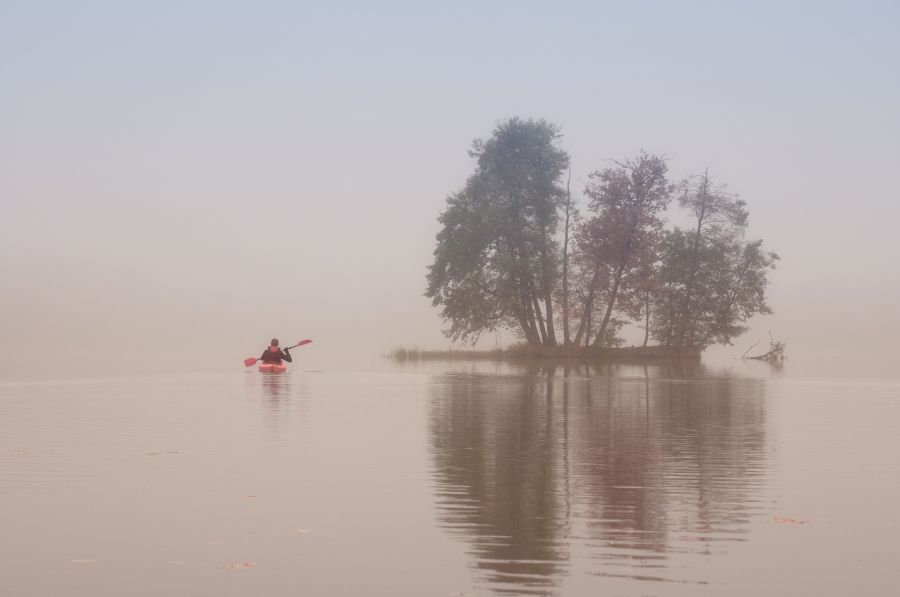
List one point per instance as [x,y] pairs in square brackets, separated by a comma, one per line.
[775,354]
[744,356]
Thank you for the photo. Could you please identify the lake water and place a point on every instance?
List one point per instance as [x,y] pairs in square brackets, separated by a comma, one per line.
[443,479]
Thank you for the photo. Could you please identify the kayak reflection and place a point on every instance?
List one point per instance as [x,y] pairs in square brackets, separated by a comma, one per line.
[281,393]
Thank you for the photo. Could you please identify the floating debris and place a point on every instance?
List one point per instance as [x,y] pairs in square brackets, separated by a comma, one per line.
[240,566]
[779,520]
[303,531]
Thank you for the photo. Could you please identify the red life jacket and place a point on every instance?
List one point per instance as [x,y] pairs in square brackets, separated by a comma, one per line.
[273,355]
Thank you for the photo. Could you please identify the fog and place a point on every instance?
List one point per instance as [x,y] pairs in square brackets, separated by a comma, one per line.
[179,184]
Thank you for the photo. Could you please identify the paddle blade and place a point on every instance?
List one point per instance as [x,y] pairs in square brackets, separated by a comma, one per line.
[304,342]
[249,362]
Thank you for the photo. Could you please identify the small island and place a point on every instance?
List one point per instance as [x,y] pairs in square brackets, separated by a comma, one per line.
[516,252]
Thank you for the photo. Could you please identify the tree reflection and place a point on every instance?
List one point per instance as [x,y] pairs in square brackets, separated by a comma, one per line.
[497,453]
[629,466]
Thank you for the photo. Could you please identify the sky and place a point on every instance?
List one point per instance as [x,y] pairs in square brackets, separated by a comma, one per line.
[180,181]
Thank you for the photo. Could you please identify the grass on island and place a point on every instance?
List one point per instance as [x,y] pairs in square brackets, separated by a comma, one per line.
[526,351]
[403,353]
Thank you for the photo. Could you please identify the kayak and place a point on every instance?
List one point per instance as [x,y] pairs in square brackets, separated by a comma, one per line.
[272,368]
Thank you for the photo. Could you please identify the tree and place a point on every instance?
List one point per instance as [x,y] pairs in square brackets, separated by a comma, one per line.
[497,262]
[626,202]
[501,260]
[711,280]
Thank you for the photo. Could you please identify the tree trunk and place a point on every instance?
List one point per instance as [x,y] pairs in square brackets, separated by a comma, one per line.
[523,323]
[601,333]
[548,290]
[588,307]
[587,333]
[565,264]
[540,318]
[551,333]
[531,333]
[646,318]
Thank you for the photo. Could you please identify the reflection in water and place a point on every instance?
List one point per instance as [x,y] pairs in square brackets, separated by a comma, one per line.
[279,393]
[644,471]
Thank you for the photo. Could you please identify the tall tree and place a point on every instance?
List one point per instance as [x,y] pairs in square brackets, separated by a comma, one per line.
[627,203]
[497,257]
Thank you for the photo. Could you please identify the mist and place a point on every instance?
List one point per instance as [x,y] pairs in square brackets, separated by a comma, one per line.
[177,186]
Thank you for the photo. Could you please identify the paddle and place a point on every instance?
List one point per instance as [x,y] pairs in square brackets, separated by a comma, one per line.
[249,362]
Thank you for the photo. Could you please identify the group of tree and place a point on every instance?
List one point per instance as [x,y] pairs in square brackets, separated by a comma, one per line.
[517,251]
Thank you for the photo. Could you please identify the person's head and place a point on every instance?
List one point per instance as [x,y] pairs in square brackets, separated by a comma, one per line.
[274,342]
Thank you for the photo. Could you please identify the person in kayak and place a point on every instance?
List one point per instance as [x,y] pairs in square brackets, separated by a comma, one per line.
[274,355]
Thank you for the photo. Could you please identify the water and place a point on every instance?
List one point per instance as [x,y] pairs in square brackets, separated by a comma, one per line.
[452,479]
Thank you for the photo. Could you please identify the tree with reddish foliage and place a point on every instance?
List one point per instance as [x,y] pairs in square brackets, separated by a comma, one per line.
[626,203]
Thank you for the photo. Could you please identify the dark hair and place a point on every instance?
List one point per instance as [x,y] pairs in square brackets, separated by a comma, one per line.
[274,342]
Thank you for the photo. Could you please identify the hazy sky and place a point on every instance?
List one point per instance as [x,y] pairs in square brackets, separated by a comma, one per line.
[189,178]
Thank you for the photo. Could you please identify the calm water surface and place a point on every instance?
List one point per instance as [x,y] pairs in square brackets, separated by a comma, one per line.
[453,479]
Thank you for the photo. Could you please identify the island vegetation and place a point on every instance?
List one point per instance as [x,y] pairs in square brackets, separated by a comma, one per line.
[517,251]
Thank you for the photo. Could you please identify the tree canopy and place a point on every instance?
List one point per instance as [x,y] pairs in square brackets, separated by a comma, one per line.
[497,260]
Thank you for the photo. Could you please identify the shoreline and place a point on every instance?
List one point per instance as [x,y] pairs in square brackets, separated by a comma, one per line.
[549,353]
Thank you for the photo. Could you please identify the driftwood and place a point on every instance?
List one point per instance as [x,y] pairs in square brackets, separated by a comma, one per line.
[744,356]
[775,354]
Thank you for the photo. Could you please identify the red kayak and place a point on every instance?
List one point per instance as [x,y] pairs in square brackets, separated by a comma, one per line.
[272,368]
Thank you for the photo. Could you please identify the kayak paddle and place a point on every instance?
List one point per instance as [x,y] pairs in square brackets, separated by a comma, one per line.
[249,362]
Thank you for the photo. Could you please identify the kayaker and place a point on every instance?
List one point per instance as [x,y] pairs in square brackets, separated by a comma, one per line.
[274,355]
